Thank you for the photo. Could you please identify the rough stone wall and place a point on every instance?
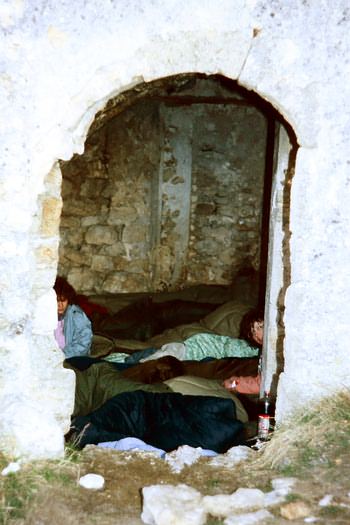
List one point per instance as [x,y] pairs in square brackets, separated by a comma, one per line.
[228,177]
[107,192]
[62,62]
[164,196]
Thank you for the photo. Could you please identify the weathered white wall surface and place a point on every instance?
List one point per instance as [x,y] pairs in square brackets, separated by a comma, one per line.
[60,63]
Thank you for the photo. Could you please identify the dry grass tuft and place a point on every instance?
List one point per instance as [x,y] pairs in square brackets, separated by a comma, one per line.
[19,489]
[310,435]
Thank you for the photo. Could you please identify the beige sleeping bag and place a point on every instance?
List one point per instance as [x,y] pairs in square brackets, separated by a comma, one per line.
[225,320]
[200,386]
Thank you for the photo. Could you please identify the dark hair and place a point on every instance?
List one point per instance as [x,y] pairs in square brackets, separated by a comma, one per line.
[247,323]
[64,289]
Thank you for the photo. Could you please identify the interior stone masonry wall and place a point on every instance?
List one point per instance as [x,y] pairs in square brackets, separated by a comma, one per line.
[165,196]
[105,226]
[60,64]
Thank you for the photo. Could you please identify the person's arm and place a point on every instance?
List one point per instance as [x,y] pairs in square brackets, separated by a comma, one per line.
[243,384]
[78,333]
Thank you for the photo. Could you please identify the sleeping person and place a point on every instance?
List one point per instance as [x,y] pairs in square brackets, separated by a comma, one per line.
[243,384]
[252,326]
[163,420]
[200,346]
[124,404]
[252,330]
[203,345]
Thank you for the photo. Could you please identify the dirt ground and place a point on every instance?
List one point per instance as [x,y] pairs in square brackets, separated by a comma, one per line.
[126,473]
[313,448]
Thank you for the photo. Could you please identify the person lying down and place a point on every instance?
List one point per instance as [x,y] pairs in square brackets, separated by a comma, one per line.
[125,414]
[202,345]
[252,330]
[164,420]
[195,348]
[243,384]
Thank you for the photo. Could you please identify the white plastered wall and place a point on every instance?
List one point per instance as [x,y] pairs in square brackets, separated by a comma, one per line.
[61,63]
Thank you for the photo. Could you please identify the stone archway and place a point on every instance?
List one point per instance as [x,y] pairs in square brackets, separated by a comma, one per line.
[63,69]
[281,170]
[53,415]
[97,253]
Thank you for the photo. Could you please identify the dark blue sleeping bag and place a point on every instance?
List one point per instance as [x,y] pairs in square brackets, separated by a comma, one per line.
[164,420]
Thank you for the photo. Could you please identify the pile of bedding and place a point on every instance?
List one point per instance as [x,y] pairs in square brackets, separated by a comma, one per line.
[181,410]
[135,321]
[163,420]
[166,402]
[224,321]
[189,410]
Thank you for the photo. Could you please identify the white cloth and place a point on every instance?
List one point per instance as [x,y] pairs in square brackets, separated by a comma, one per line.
[177,350]
[131,443]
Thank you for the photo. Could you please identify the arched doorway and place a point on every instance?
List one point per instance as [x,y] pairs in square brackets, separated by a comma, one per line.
[184,180]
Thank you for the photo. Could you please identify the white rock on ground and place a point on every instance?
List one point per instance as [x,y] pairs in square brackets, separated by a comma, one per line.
[92,481]
[281,487]
[185,455]
[250,518]
[232,457]
[172,505]
[326,500]
[12,467]
[183,505]
[223,505]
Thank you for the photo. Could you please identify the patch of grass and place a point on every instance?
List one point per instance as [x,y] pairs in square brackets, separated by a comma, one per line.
[72,454]
[333,511]
[292,497]
[52,476]
[310,439]
[214,521]
[288,470]
[18,489]
[16,494]
[213,483]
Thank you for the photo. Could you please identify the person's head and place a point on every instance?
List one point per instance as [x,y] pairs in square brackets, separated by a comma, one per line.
[252,326]
[65,294]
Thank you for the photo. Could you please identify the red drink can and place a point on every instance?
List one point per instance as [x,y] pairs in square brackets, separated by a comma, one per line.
[263,426]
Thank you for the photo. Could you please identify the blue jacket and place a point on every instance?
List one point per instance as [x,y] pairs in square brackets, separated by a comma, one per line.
[77,332]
